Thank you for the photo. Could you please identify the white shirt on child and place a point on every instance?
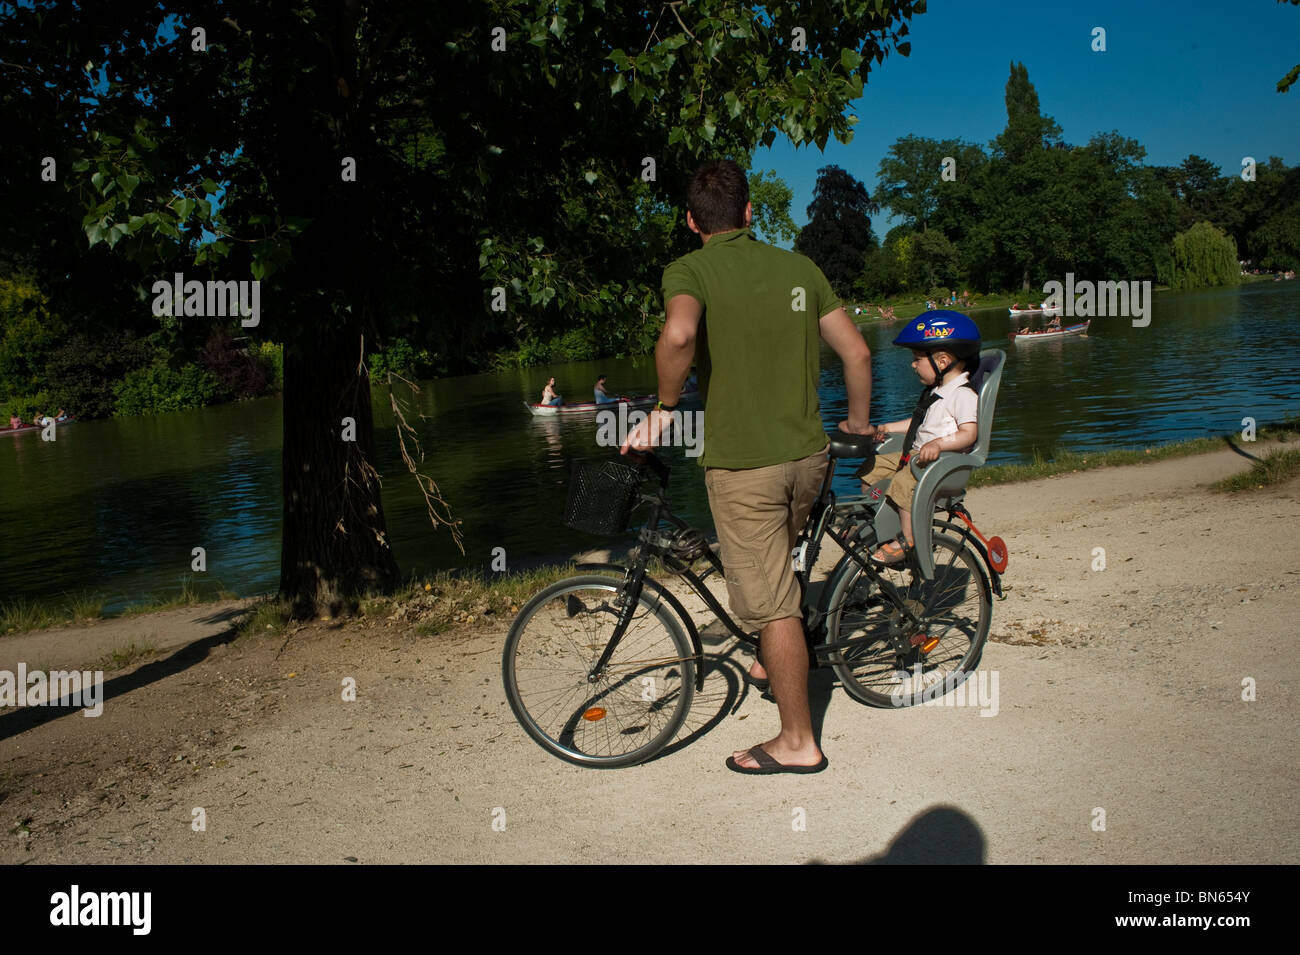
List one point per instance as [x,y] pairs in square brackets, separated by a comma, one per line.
[956,406]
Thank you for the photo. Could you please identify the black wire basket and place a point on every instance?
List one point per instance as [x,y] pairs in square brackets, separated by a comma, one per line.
[602,495]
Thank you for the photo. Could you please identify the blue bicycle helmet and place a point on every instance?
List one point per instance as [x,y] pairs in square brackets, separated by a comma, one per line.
[951,331]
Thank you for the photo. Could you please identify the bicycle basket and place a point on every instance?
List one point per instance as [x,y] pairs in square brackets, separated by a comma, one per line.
[601,496]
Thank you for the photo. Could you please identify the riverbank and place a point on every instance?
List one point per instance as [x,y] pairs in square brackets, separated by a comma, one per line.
[1157,681]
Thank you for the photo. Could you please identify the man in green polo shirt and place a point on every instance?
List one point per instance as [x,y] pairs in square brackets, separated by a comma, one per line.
[756,315]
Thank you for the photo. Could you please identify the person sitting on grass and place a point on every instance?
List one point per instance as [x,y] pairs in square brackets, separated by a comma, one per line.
[945,349]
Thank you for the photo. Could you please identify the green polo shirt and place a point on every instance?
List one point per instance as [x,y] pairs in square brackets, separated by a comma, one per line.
[758,350]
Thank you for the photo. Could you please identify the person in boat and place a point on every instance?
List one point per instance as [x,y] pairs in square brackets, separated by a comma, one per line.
[948,424]
[602,396]
[1055,324]
[15,422]
[60,415]
[549,395]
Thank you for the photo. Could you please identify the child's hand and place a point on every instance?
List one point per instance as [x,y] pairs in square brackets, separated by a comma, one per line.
[881,435]
[929,452]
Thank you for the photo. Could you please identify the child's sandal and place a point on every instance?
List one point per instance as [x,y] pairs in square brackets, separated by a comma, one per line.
[889,553]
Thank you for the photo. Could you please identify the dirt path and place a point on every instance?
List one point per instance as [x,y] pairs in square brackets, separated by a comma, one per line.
[1118,691]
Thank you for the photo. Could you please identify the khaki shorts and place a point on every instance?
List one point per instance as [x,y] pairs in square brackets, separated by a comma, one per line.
[758,513]
[900,488]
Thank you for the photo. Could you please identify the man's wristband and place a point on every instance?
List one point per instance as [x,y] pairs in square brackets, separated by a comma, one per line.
[660,406]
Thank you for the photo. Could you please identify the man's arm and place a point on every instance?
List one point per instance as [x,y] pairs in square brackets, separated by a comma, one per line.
[676,346]
[838,331]
[673,354]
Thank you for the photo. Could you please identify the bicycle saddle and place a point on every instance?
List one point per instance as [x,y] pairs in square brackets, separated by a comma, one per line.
[845,445]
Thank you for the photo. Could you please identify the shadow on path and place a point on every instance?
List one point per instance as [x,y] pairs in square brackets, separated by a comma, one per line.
[944,835]
[29,717]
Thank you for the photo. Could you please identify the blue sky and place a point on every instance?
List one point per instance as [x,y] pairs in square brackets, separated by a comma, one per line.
[1179,77]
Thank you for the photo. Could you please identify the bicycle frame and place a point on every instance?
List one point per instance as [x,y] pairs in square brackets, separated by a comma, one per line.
[820,524]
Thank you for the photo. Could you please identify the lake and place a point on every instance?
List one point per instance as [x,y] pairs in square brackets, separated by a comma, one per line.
[117,506]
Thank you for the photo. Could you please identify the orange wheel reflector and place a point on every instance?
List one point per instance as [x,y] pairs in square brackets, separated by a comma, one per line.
[929,644]
[594,714]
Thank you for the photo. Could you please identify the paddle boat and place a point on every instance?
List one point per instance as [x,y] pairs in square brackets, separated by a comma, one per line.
[1057,333]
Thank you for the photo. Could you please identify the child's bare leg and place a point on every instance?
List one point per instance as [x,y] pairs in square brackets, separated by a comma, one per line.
[905,518]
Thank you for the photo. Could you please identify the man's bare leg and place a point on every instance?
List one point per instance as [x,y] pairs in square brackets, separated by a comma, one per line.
[785,654]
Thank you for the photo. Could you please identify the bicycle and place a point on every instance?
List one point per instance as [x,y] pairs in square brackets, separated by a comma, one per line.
[601,668]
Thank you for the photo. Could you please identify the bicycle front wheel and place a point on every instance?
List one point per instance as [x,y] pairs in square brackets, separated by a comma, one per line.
[618,715]
[894,662]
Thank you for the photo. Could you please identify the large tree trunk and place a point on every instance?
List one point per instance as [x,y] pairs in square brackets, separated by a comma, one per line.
[334,542]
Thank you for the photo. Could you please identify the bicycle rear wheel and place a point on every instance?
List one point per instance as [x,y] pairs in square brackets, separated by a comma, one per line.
[619,716]
[890,666]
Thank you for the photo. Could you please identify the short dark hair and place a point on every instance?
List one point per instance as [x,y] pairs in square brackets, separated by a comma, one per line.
[600,377]
[717,196]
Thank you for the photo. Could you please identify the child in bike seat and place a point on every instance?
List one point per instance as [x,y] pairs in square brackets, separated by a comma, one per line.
[945,350]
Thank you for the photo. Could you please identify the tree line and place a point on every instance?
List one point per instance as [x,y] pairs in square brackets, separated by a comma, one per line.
[1030,207]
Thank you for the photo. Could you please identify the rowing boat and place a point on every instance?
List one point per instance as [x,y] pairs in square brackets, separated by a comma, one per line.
[1061,333]
[1024,311]
[589,407]
[28,428]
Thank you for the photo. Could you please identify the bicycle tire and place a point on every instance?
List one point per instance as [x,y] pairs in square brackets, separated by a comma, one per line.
[876,672]
[628,713]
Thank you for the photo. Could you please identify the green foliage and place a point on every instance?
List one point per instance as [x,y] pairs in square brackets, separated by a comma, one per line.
[83,371]
[271,355]
[1027,130]
[27,407]
[400,359]
[29,333]
[771,199]
[158,388]
[838,235]
[1203,256]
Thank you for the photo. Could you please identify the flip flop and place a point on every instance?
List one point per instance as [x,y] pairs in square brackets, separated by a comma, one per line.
[767,766]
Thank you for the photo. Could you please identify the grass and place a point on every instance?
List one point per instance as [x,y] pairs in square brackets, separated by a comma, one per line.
[437,603]
[21,614]
[268,613]
[187,596]
[125,656]
[1277,467]
[1062,461]
[24,613]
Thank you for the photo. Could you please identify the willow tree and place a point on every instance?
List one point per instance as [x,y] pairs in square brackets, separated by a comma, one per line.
[462,174]
[1202,256]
